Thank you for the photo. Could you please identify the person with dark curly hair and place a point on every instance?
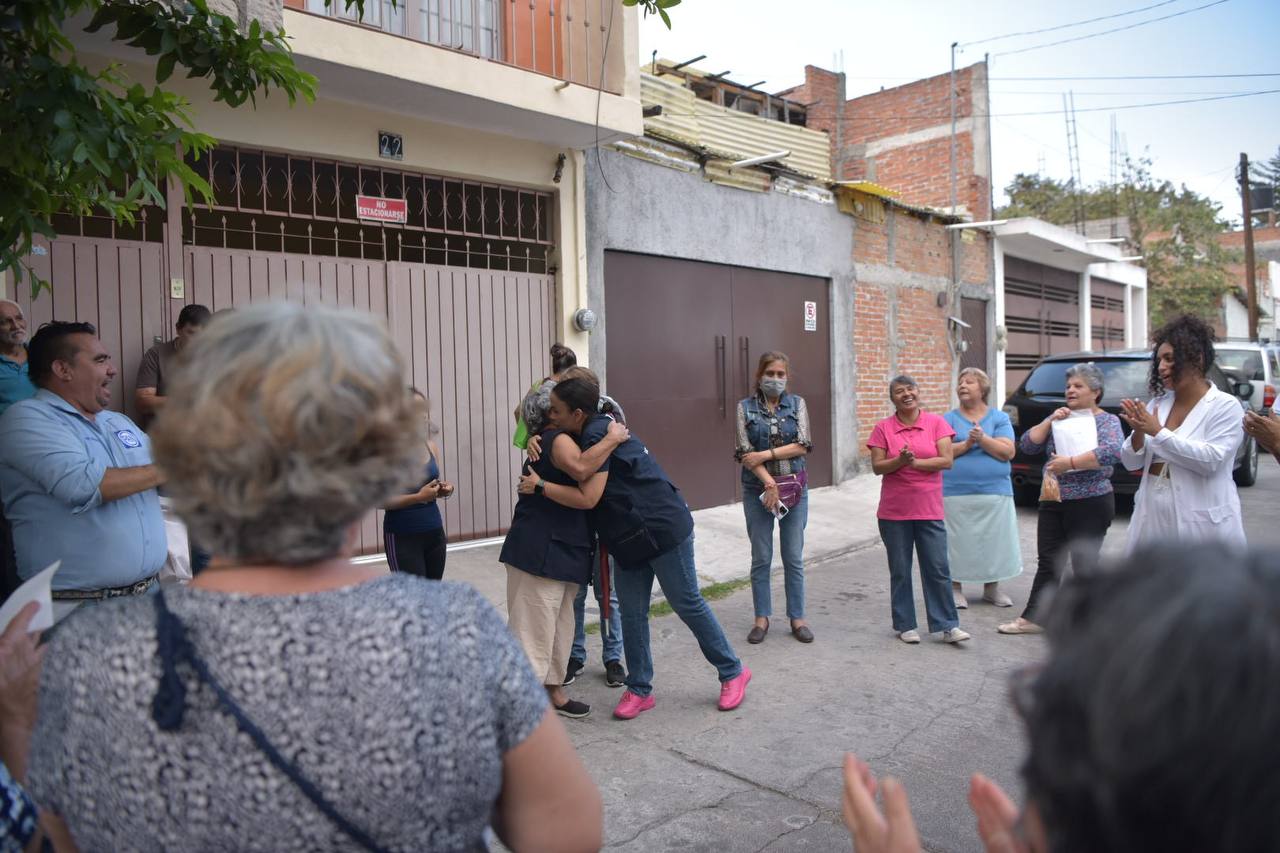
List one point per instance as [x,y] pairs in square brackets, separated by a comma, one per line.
[1184,442]
[1142,735]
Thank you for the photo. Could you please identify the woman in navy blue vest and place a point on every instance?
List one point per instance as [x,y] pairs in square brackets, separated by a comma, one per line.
[640,516]
[773,438]
[412,527]
[548,553]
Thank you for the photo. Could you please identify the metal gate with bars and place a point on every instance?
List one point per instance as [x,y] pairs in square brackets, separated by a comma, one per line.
[464,288]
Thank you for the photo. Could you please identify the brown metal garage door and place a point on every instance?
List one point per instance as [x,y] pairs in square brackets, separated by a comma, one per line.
[683,339]
[1042,314]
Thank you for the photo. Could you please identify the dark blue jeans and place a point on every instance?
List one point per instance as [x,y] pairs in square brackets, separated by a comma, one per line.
[676,575]
[791,533]
[929,538]
[611,641]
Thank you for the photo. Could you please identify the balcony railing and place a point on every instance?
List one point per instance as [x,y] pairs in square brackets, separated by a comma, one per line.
[565,39]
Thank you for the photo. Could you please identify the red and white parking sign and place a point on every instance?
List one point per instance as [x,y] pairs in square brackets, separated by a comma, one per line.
[382,209]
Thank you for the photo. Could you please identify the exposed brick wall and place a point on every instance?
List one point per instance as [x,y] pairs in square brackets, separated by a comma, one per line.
[902,265]
[901,137]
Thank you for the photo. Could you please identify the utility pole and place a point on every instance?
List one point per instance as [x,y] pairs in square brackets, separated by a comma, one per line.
[952,99]
[1250,284]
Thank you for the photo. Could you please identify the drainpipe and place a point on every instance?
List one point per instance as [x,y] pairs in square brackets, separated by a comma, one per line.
[574,266]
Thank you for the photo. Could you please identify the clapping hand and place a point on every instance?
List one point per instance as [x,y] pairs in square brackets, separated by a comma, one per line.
[1139,417]
[1266,429]
[905,456]
[894,830]
[975,437]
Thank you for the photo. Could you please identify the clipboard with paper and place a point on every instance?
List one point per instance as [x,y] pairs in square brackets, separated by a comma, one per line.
[1075,435]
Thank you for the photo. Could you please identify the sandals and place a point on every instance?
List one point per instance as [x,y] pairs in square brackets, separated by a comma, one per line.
[1020,626]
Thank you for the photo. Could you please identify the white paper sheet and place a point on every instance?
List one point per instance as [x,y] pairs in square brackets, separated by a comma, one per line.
[1076,434]
[38,588]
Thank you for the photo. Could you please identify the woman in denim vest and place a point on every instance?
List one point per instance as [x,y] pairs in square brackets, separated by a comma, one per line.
[773,438]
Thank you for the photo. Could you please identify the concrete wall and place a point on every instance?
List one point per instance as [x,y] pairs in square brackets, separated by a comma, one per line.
[660,211]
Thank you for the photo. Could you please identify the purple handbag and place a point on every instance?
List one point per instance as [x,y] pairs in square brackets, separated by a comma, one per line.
[791,488]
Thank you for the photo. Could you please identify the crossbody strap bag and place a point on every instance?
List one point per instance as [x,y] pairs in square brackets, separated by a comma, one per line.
[169,706]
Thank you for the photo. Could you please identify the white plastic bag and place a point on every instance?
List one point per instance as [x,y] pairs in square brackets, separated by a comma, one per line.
[177,566]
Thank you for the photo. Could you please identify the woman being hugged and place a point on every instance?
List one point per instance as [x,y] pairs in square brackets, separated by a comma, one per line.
[773,439]
[977,494]
[548,555]
[910,449]
[1184,442]
[1076,524]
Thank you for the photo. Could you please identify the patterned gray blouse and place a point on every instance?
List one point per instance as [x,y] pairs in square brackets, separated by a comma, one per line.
[397,698]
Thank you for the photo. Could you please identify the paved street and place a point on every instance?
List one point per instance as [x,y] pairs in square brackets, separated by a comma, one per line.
[766,777]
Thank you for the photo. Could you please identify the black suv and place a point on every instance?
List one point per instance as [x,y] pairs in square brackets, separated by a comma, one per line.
[1125,374]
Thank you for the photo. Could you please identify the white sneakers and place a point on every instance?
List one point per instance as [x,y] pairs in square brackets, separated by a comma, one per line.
[953,635]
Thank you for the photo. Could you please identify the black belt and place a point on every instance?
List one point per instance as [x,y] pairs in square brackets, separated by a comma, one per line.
[138,588]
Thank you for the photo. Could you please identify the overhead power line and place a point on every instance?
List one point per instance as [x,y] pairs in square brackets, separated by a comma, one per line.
[1109,32]
[1143,77]
[1066,26]
[1110,109]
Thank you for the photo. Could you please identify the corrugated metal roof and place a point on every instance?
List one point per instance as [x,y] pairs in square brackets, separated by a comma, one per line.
[722,172]
[870,188]
[731,134]
[678,122]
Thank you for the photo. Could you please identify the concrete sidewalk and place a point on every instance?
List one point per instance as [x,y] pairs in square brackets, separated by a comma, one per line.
[842,519]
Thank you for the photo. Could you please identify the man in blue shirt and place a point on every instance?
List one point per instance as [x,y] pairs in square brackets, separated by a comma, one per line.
[77,479]
[14,384]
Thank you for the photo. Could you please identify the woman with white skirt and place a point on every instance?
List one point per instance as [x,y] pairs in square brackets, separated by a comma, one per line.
[977,494]
[1184,441]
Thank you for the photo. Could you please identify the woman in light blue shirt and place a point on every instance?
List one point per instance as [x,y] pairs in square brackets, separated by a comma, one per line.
[982,524]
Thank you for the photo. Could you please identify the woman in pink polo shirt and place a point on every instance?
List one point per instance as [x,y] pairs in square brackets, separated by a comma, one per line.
[910,450]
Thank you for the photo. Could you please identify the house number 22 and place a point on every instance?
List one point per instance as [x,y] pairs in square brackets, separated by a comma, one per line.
[390,145]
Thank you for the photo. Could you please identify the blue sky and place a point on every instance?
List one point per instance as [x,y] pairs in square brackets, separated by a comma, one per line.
[886,44]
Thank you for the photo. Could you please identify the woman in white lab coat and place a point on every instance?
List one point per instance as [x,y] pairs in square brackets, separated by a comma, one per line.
[1184,441]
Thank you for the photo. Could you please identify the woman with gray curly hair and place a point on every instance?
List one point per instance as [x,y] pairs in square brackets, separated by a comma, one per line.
[548,553]
[1073,523]
[288,699]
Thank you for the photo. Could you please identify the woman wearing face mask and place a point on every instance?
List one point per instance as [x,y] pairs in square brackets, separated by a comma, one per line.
[412,527]
[773,439]
[1184,442]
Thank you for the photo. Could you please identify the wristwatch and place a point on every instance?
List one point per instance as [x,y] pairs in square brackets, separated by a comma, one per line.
[537,489]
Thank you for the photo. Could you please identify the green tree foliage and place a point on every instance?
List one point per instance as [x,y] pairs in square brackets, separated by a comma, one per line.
[1172,227]
[79,140]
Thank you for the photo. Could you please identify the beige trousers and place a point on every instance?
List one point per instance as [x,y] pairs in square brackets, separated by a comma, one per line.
[540,615]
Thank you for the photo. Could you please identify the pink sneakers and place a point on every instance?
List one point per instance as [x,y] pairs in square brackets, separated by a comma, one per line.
[733,691]
[632,705]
